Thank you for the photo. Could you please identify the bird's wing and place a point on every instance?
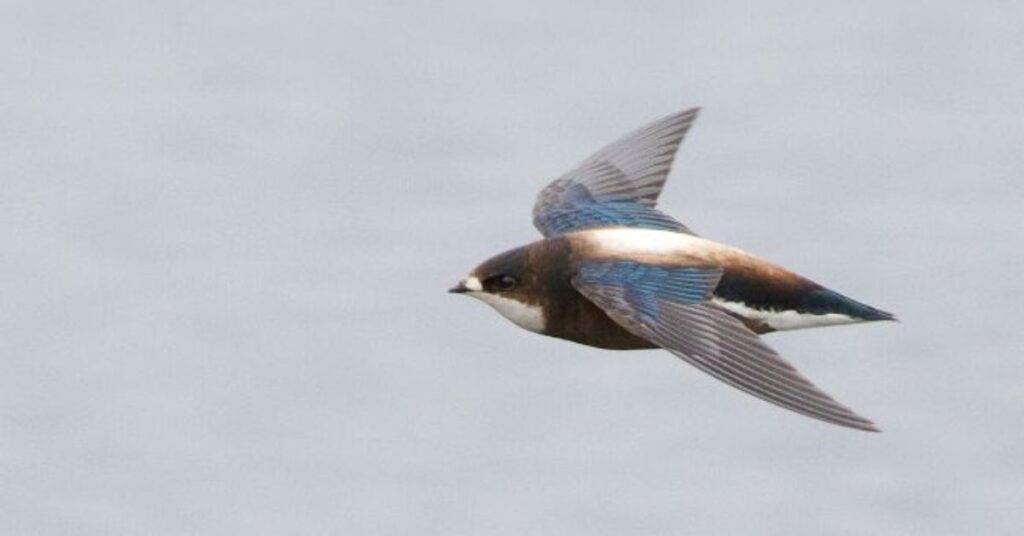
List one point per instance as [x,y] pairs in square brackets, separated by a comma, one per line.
[669,307]
[618,185]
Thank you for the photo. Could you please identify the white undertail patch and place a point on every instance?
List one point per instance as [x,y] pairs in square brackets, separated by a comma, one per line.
[528,317]
[783,320]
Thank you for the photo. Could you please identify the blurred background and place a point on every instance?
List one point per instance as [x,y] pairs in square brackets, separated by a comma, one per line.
[227,229]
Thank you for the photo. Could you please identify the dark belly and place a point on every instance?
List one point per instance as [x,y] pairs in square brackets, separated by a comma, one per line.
[577,319]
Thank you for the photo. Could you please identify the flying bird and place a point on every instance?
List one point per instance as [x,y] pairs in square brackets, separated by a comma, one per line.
[614,272]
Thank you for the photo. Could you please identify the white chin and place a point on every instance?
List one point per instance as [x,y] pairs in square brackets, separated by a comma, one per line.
[528,317]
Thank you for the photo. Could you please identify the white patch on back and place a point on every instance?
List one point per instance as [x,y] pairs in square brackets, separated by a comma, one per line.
[649,240]
[654,246]
[528,317]
[783,320]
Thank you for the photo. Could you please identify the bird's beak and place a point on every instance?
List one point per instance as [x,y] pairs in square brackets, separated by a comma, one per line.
[469,284]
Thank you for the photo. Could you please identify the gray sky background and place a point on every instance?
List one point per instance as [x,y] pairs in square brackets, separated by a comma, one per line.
[227,229]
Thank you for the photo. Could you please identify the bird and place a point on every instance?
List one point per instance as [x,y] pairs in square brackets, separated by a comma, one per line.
[614,272]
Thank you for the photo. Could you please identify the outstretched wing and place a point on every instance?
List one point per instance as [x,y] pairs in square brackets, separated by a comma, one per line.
[669,307]
[618,185]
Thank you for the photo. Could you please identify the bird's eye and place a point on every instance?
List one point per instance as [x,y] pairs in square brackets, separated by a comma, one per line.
[504,282]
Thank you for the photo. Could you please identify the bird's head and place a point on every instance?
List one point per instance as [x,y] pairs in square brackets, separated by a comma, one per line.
[510,284]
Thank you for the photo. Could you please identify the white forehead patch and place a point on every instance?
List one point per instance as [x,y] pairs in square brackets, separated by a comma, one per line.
[473,284]
[528,317]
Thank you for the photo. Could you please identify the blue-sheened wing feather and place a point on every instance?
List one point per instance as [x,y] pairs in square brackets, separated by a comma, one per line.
[668,306]
[617,186]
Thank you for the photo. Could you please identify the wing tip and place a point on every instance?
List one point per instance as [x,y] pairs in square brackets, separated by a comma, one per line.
[849,419]
[867,426]
[688,116]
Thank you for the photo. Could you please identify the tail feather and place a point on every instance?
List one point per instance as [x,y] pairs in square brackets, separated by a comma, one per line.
[825,301]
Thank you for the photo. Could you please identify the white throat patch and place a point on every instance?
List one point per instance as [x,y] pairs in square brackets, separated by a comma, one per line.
[528,317]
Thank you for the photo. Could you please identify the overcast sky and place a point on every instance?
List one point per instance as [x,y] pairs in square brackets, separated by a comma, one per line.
[227,229]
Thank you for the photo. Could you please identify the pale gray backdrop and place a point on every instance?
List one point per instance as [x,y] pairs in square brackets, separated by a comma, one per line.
[227,229]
